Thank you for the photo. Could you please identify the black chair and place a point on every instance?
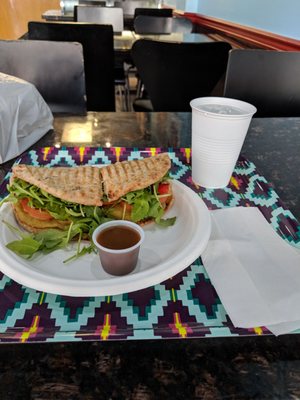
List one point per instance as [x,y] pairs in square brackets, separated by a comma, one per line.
[154,12]
[89,3]
[129,7]
[145,24]
[270,80]
[175,73]
[98,51]
[56,69]
[108,16]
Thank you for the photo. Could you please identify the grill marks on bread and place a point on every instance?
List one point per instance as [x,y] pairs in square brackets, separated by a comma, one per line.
[124,177]
[80,185]
[87,185]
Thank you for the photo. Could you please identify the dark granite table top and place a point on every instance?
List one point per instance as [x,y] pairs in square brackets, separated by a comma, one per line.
[220,368]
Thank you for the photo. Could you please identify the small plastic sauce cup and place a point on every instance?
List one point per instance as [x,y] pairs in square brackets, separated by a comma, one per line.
[118,243]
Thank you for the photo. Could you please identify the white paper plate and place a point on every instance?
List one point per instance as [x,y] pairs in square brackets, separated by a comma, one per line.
[165,252]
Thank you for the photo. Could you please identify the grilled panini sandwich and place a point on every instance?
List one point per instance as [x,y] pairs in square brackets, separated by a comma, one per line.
[46,198]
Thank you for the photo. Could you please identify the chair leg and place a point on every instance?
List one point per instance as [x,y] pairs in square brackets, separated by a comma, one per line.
[126,96]
[122,91]
[140,88]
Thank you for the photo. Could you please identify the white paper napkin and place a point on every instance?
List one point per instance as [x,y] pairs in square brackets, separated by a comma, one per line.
[255,272]
[24,116]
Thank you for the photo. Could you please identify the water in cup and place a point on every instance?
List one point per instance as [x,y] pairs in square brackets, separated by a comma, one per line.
[222,109]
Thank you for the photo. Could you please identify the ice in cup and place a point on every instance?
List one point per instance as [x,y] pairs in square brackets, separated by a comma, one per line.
[219,128]
[118,244]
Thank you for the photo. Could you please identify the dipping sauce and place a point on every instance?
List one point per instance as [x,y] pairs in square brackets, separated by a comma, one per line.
[118,243]
[118,237]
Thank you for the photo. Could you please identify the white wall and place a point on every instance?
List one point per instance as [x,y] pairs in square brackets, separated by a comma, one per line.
[277,16]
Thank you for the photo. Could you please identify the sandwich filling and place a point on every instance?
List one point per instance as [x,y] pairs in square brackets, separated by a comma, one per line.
[36,209]
[74,201]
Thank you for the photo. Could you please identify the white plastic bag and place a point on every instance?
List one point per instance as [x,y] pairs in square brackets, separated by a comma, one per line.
[24,116]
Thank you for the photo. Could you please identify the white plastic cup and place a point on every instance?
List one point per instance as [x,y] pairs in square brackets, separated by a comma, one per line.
[219,128]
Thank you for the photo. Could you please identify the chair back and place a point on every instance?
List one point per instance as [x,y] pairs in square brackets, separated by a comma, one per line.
[98,52]
[270,80]
[92,3]
[100,15]
[56,69]
[176,73]
[153,12]
[144,24]
[67,6]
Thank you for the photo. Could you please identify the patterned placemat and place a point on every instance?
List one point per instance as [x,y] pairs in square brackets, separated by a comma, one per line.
[184,306]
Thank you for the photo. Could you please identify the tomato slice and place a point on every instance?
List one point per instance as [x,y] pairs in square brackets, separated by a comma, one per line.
[35,212]
[163,188]
[163,191]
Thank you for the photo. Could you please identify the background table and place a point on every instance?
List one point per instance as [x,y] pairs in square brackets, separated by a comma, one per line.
[176,37]
[57,15]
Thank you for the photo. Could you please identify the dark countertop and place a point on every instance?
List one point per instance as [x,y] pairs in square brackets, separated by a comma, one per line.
[211,369]
[220,368]
[274,146]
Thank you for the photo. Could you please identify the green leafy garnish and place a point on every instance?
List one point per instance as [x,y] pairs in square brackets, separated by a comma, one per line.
[46,241]
[25,247]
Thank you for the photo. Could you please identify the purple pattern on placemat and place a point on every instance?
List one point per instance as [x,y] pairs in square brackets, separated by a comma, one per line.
[108,323]
[142,300]
[204,294]
[176,281]
[186,305]
[175,323]
[11,297]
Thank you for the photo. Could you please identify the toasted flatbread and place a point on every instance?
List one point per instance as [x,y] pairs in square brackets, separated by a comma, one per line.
[82,185]
[88,185]
[124,177]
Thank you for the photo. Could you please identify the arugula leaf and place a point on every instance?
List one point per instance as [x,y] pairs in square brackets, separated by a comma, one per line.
[155,210]
[25,247]
[82,252]
[165,222]
[46,241]
[51,239]
[73,213]
[140,210]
